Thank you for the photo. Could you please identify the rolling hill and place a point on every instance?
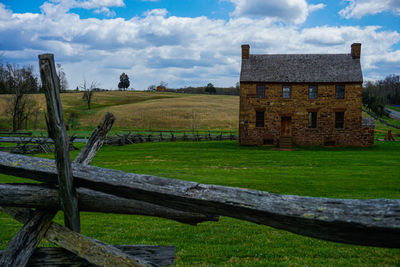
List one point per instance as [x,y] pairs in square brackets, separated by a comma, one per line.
[142,110]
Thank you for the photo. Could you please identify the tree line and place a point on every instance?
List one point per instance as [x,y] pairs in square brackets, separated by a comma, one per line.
[210,89]
[15,79]
[380,93]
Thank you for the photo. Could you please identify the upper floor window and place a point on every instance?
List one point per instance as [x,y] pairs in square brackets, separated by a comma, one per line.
[286,91]
[260,118]
[339,119]
[260,91]
[312,119]
[312,92]
[340,91]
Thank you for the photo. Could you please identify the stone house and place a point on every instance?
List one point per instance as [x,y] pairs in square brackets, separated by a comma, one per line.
[302,99]
[161,88]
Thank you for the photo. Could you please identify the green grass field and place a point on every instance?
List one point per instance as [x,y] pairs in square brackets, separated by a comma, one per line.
[319,172]
[394,107]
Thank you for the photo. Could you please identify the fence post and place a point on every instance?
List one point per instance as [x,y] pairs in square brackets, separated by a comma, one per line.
[57,131]
[96,140]
[24,243]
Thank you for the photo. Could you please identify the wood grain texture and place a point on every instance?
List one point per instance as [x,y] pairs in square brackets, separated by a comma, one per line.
[374,222]
[96,140]
[84,247]
[47,197]
[54,257]
[24,243]
[57,131]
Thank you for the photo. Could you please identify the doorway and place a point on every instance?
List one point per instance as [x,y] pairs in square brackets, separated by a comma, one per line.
[286,126]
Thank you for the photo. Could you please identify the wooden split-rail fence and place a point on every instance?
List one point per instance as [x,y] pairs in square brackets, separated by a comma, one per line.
[134,138]
[76,186]
[31,145]
[34,145]
[8,133]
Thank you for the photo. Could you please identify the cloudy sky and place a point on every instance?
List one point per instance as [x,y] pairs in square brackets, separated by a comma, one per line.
[192,42]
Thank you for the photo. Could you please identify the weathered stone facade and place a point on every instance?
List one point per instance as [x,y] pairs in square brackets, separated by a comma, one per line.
[293,114]
[161,88]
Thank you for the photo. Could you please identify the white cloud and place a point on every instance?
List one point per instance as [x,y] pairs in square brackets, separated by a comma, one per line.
[106,11]
[92,4]
[290,11]
[156,12]
[4,13]
[181,51]
[56,8]
[312,8]
[360,8]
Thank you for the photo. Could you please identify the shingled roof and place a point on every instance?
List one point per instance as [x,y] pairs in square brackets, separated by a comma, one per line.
[301,68]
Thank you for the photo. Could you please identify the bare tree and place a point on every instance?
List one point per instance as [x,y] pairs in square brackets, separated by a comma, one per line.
[20,82]
[151,88]
[3,79]
[88,92]
[62,78]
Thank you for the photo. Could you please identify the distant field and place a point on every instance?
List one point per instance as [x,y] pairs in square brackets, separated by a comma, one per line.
[146,110]
[320,172]
[137,111]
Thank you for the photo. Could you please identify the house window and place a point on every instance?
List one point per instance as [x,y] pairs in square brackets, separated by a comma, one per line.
[339,119]
[312,119]
[260,91]
[260,118]
[286,91]
[312,92]
[340,91]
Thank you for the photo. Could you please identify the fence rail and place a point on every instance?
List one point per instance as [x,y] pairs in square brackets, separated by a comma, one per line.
[32,145]
[381,120]
[8,133]
[134,138]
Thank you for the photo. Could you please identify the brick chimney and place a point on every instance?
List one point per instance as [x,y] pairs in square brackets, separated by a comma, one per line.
[245,51]
[356,50]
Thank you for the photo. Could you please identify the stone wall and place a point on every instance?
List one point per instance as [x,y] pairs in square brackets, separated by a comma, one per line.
[297,107]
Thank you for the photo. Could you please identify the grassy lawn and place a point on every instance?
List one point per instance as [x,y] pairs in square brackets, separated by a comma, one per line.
[381,129]
[320,172]
[397,108]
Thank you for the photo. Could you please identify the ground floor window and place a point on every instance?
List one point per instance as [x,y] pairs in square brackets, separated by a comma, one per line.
[339,119]
[312,119]
[260,118]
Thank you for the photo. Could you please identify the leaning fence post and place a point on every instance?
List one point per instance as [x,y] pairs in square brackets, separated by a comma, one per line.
[24,243]
[96,140]
[57,131]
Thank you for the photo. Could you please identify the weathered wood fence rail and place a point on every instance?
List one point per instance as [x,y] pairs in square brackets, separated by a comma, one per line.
[77,186]
[32,145]
[380,119]
[134,138]
[8,133]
